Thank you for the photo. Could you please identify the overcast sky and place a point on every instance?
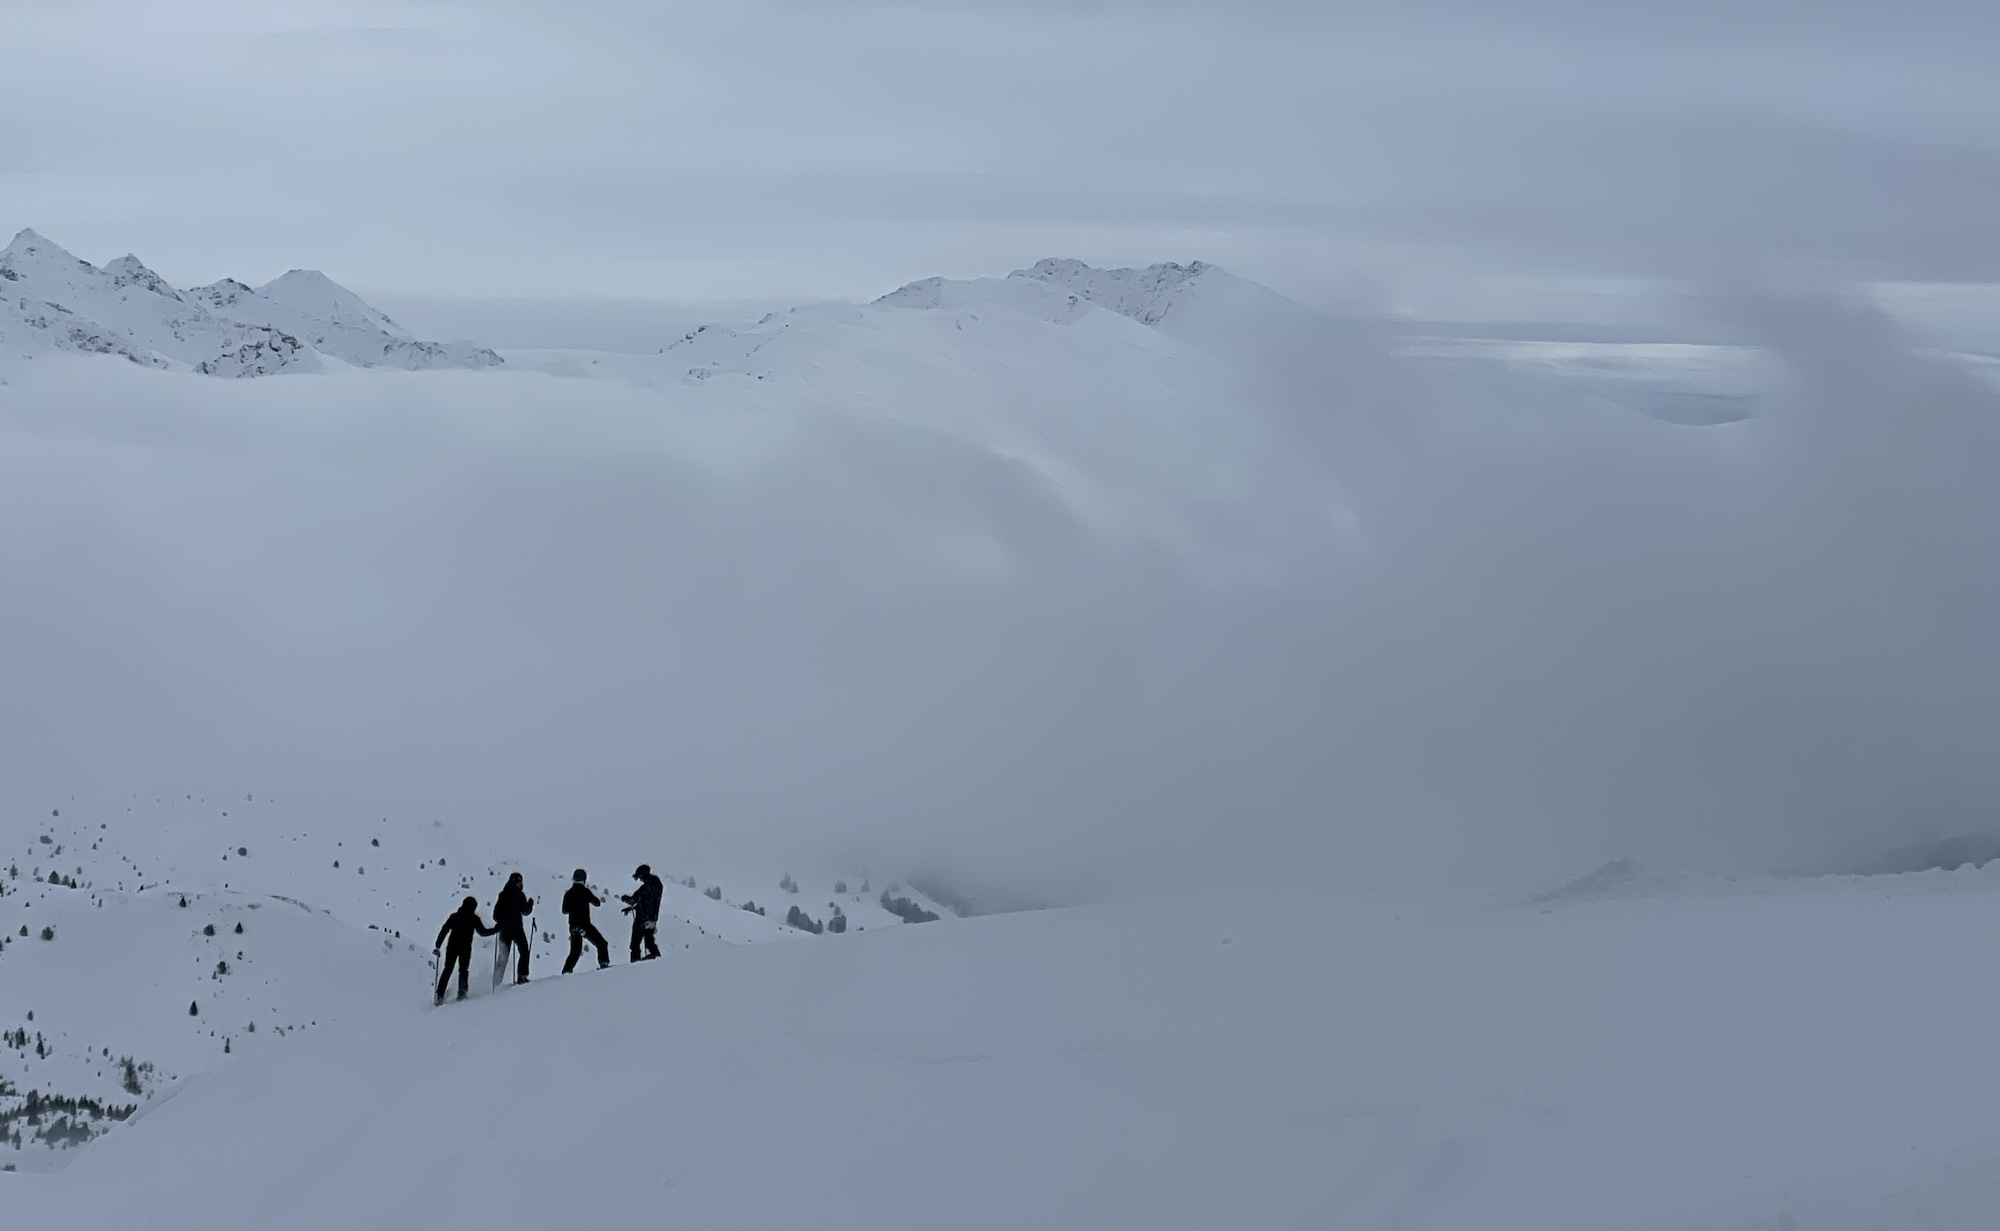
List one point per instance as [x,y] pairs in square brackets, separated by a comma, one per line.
[694,151]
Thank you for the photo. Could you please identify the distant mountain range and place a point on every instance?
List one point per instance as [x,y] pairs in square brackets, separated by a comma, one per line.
[303,321]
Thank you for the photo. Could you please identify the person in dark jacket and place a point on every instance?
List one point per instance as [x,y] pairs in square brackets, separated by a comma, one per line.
[644,907]
[455,939]
[510,914]
[576,904]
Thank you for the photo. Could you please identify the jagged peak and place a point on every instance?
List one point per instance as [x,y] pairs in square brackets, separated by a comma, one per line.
[1146,295]
[1056,266]
[129,270]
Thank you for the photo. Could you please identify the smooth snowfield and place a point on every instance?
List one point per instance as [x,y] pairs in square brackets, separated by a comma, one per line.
[1812,1054]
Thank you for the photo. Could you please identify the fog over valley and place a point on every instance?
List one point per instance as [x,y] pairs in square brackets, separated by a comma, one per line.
[1186,615]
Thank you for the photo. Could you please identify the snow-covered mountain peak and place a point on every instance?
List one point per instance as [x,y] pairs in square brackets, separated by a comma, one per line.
[30,242]
[1199,303]
[1058,269]
[129,270]
[51,300]
[310,291]
[1146,295]
[340,323]
[32,252]
[221,294]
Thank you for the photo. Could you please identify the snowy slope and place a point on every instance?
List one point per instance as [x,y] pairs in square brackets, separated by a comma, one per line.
[1445,1064]
[177,933]
[51,300]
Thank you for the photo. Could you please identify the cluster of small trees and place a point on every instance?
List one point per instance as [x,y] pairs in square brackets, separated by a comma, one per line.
[806,923]
[906,910]
[69,1121]
[788,884]
[131,1073]
[753,908]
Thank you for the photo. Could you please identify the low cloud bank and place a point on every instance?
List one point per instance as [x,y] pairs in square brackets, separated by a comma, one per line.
[1451,628]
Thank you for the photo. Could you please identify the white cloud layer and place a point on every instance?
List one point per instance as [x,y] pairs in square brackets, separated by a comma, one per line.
[1353,621]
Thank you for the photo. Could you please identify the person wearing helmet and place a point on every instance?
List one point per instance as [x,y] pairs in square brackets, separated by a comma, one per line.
[510,914]
[576,904]
[644,907]
[455,939]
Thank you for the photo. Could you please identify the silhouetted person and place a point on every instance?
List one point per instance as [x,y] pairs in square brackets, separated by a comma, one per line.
[644,907]
[455,938]
[510,916]
[576,904]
